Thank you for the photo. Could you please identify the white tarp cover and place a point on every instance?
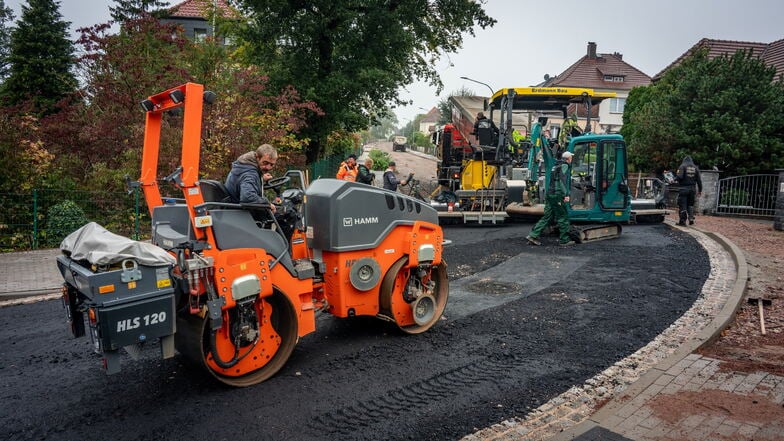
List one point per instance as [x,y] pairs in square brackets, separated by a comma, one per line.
[99,246]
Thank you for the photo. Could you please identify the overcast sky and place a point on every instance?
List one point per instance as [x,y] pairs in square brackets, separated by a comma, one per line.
[534,38]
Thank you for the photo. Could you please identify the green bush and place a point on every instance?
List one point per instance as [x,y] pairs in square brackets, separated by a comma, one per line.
[61,220]
[420,139]
[380,159]
[734,197]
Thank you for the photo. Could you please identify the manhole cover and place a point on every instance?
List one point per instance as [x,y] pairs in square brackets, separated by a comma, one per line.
[493,287]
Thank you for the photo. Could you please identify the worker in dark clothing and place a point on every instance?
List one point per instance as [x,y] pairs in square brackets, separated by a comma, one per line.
[364,173]
[688,176]
[244,182]
[485,130]
[390,178]
[555,205]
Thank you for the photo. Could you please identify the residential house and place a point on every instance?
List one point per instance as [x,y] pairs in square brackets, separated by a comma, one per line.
[193,15]
[428,124]
[602,73]
[771,53]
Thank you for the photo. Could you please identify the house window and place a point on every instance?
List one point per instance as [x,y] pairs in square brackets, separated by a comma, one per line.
[617,105]
[614,78]
[199,34]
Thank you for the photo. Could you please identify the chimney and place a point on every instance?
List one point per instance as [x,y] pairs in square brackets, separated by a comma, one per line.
[591,50]
[618,55]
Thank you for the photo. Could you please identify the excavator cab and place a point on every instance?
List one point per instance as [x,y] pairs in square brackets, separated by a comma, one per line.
[599,190]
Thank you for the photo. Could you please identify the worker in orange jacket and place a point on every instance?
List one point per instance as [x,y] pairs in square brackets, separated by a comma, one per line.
[348,169]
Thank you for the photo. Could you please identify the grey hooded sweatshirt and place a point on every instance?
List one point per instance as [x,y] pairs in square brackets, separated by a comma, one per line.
[244,180]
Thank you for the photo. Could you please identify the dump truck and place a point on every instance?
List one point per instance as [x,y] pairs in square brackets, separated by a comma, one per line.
[399,143]
[233,286]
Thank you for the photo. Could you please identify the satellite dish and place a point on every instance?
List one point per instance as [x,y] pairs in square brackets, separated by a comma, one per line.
[546,77]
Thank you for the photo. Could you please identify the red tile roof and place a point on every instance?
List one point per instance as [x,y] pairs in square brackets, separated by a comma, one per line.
[199,8]
[432,116]
[774,56]
[771,53]
[589,72]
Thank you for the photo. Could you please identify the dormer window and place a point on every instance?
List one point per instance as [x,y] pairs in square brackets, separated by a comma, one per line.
[614,78]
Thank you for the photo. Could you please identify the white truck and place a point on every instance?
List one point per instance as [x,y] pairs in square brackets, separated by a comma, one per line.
[399,144]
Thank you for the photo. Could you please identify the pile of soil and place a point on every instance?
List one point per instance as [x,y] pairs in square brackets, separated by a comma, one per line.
[742,346]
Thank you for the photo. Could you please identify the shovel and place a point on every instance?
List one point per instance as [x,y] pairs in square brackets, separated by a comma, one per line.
[760,302]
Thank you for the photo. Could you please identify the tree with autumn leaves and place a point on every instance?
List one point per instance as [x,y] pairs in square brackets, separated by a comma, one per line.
[35,81]
[95,141]
[307,105]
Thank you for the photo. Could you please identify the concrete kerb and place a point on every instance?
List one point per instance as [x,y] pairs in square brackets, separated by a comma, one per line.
[603,417]
[727,314]
[34,297]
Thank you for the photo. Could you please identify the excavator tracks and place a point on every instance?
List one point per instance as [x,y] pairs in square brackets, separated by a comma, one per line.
[596,232]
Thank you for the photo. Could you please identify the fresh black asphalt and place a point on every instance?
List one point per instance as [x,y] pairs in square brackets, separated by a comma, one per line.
[523,325]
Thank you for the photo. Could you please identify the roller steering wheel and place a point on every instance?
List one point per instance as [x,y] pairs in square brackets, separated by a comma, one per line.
[275,183]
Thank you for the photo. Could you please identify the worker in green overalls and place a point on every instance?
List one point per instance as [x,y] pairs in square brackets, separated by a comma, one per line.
[555,206]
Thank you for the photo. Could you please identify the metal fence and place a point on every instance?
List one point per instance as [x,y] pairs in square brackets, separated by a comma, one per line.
[325,168]
[27,219]
[750,195]
[30,220]
[428,150]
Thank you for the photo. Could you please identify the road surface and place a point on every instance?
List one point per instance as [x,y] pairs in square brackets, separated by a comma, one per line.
[523,325]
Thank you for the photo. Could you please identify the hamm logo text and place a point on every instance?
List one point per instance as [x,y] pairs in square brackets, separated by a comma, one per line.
[351,221]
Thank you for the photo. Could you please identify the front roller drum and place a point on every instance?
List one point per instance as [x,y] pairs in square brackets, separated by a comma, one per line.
[258,361]
[414,315]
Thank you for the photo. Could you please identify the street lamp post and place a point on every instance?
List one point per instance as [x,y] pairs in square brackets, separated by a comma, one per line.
[426,111]
[479,82]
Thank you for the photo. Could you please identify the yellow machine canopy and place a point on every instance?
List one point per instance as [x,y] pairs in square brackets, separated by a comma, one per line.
[547,98]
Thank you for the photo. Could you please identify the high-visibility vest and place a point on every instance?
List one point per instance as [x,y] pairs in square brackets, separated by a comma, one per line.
[346,172]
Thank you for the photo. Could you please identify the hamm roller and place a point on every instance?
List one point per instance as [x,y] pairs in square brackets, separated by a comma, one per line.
[234,286]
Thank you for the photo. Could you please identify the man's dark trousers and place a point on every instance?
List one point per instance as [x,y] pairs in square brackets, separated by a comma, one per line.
[686,198]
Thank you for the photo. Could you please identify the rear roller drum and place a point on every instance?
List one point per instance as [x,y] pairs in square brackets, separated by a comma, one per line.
[256,359]
[414,298]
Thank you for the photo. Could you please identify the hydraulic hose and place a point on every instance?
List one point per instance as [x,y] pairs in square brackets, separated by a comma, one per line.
[216,357]
[235,359]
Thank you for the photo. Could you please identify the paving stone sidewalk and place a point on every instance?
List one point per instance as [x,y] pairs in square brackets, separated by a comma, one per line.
[697,400]
[29,273]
